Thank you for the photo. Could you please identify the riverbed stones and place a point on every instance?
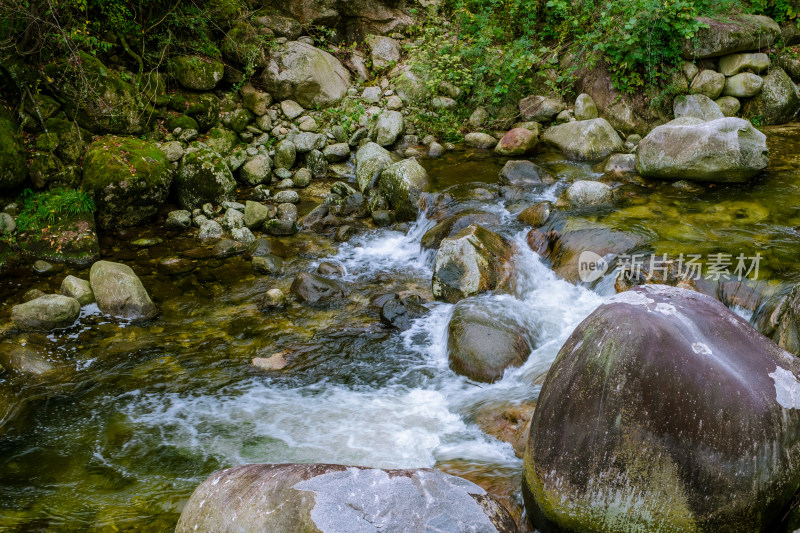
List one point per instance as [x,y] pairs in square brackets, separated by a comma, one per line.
[479,140]
[128,178]
[585,193]
[679,474]
[524,173]
[273,299]
[256,170]
[316,164]
[696,106]
[778,101]
[77,288]
[204,177]
[540,108]
[255,214]
[340,499]
[285,154]
[517,141]
[451,225]
[736,63]
[371,159]
[743,85]
[729,34]
[537,214]
[399,312]
[584,140]
[48,312]
[389,127]
[473,261]
[178,220]
[267,264]
[336,152]
[722,150]
[312,288]
[708,83]
[119,292]
[308,75]
[402,184]
[484,339]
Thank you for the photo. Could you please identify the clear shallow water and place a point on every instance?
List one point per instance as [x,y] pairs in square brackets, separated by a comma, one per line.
[151,410]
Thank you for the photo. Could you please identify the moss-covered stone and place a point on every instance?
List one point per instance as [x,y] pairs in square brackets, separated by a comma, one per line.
[71,240]
[72,139]
[403,184]
[47,170]
[196,73]
[204,177]
[222,141]
[129,179]
[98,97]
[177,120]
[13,168]
[203,107]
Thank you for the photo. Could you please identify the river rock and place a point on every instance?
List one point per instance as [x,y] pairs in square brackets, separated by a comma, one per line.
[306,141]
[736,63]
[687,417]
[778,101]
[77,288]
[46,313]
[518,141]
[196,73]
[484,339]
[312,288]
[729,34]
[128,178]
[204,177]
[524,174]
[119,292]
[743,85]
[336,152]
[294,498]
[403,183]
[481,141]
[453,224]
[285,154]
[540,108]
[389,127]
[585,108]
[723,150]
[585,140]
[371,159]
[256,170]
[255,214]
[308,75]
[728,105]
[696,106]
[316,164]
[399,312]
[585,193]
[708,83]
[384,51]
[473,261]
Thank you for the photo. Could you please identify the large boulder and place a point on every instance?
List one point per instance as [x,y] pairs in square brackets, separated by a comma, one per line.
[696,106]
[13,159]
[371,159]
[197,73]
[384,51]
[484,338]
[730,33]
[736,63]
[204,177]
[518,141]
[308,75]
[47,312]
[585,140]
[723,150]
[98,97]
[473,261]
[402,184]
[665,411]
[128,178]
[119,292]
[295,498]
[778,101]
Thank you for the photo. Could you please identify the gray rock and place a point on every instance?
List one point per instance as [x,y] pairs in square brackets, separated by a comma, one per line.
[268,264]
[689,70]
[210,229]
[443,103]
[384,51]
[308,124]
[286,197]
[736,63]
[708,83]
[255,214]
[743,85]
[479,117]
[698,106]
[730,33]
[778,101]
[435,149]
[77,288]
[302,178]
[317,164]
[620,163]
[394,103]
[273,299]
[724,150]
[584,140]
[371,159]
[481,141]
[256,170]
[371,95]
[242,235]
[540,108]
[306,141]
[584,193]
[336,152]
[402,184]
[173,150]
[312,288]
[46,313]
[389,127]
[728,105]
[306,74]
[204,177]
[524,174]
[7,223]
[119,292]
[232,219]
[256,101]
[340,499]
[585,108]
[285,154]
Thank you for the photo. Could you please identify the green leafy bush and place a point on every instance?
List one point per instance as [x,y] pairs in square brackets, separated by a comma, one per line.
[40,209]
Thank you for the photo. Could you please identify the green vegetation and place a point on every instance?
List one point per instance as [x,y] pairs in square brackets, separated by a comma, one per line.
[40,209]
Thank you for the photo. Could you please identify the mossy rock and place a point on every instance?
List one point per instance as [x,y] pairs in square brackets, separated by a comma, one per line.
[47,170]
[244,45]
[203,107]
[204,177]
[185,122]
[196,73]
[129,179]
[222,141]
[13,167]
[72,139]
[71,240]
[98,97]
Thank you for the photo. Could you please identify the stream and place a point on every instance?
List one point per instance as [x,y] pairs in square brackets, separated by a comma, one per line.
[150,410]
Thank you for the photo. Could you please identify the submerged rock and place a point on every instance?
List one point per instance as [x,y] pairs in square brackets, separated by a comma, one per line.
[484,339]
[473,261]
[78,288]
[312,288]
[294,498]
[700,433]
[723,150]
[524,174]
[399,312]
[585,140]
[119,292]
[45,313]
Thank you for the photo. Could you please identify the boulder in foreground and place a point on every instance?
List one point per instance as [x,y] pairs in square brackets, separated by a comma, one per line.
[119,292]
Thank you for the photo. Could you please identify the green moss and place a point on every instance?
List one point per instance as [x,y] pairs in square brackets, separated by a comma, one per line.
[185,122]
[45,208]
[13,168]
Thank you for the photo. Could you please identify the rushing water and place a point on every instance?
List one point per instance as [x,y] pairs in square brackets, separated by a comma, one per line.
[148,411]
